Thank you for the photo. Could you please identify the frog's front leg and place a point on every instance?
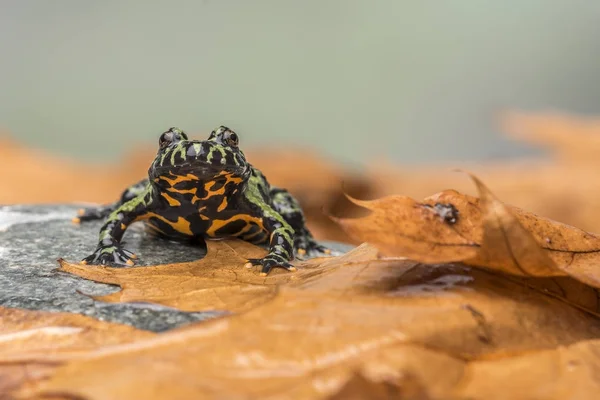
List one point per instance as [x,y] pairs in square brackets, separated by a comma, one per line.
[109,250]
[281,245]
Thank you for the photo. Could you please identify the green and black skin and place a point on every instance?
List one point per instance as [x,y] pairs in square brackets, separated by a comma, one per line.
[205,189]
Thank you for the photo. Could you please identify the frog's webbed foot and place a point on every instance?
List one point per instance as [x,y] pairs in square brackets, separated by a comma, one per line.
[269,262]
[110,255]
[306,246]
[93,213]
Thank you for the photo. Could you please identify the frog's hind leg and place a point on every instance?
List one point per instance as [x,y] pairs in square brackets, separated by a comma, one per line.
[103,211]
[289,208]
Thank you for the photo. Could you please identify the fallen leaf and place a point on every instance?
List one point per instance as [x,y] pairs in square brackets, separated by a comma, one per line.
[486,233]
[216,282]
[219,281]
[394,318]
[507,245]
[34,343]
[359,387]
[569,372]
[400,226]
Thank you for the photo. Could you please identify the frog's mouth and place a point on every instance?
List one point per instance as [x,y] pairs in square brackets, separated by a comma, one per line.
[203,171]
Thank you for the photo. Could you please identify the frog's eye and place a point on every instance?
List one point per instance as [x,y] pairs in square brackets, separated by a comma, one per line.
[166,139]
[171,136]
[231,138]
[218,132]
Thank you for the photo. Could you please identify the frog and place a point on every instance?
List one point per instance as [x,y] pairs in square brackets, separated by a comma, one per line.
[201,190]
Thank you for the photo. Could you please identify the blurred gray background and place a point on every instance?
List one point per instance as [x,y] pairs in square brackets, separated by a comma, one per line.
[412,81]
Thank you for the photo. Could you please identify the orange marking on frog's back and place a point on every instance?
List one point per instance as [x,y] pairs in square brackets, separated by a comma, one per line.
[220,223]
[195,198]
[181,225]
[229,178]
[172,202]
[179,178]
[223,205]
[183,191]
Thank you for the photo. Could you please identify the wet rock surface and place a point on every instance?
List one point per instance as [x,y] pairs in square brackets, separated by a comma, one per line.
[32,238]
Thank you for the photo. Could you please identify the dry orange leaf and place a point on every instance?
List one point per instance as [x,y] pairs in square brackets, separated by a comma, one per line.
[569,372]
[486,233]
[218,281]
[337,317]
[359,387]
[33,343]
[26,333]
[392,318]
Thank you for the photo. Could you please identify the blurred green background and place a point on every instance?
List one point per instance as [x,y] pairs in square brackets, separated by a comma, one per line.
[412,81]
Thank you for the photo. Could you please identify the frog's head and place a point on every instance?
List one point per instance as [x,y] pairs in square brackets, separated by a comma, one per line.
[205,160]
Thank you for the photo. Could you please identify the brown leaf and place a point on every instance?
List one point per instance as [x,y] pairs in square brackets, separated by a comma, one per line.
[399,226]
[219,281]
[487,234]
[507,245]
[34,343]
[34,333]
[569,372]
[359,387]
[394,319]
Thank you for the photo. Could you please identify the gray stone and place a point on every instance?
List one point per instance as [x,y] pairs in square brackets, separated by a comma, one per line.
[32,238]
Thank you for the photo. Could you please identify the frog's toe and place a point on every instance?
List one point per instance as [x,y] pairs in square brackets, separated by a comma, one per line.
[268,263]
[110,255]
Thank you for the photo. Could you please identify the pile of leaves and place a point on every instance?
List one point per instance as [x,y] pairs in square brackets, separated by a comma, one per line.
[455,296]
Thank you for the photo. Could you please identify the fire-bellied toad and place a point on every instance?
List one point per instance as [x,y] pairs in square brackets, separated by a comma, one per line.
[205,189]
